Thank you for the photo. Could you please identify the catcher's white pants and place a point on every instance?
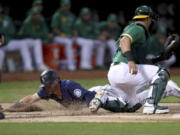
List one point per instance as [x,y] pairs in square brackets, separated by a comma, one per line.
[67,42]
[100,50]
[21,46]
[87,46]
[172,89]
[128,84]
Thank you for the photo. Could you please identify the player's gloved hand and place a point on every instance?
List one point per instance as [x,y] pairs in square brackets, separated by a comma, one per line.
[132,67]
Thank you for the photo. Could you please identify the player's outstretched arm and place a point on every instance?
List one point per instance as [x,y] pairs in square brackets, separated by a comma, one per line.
[23,103]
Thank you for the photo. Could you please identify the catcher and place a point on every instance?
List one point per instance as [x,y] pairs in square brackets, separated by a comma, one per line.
[131,70]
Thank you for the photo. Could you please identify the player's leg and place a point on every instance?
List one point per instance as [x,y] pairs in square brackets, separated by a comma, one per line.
[36,46]
[111,45]
[157,88]
[172,89]
[87,46]
[67,42]
[100,51]
[2,54]
[120,78]
[108,99]
[21,46]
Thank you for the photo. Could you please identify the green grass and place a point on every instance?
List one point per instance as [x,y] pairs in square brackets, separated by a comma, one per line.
[13,91]
[90,128]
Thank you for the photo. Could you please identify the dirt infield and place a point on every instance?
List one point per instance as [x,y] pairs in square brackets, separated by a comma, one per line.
[80,74]
[53,112]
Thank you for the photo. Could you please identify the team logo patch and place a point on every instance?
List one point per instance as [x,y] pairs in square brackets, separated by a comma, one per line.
[77,93]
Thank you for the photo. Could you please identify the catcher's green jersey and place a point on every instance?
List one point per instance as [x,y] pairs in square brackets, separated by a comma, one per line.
[138,35]
[85,29]
[34,29]
[63,21]
[154,46]
[6,27]
[113,32]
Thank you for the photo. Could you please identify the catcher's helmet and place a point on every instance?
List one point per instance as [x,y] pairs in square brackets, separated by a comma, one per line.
[48,77]
[143,12]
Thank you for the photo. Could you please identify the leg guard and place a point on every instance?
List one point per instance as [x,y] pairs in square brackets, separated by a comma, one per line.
[114,105]
[158,86]
[133,108]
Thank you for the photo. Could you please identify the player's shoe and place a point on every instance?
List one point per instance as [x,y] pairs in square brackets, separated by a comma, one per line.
[94,105]
[151,109]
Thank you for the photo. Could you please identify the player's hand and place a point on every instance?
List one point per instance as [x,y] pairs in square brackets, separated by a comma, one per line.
[132,67]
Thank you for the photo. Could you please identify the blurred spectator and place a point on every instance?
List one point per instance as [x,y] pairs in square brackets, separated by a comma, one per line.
[38,4]
[167,14]
[34,31]
[122,19]
[62,24]
[95,16]
[86,32]
[156,46]
[109,32]
[10,44]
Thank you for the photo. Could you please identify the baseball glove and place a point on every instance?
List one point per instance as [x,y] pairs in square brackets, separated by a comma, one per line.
[170,45]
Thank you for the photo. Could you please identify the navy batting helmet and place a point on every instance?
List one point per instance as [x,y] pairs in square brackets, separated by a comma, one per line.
[48,77]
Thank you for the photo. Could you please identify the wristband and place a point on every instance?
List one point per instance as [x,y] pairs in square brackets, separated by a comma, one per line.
[128,55]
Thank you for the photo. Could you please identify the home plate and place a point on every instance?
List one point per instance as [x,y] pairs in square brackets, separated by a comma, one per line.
[176,116]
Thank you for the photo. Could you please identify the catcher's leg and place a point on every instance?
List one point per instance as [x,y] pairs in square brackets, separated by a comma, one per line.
[157,89]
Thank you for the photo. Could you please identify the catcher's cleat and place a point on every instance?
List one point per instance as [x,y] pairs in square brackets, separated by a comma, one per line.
[94,105]
[151,109]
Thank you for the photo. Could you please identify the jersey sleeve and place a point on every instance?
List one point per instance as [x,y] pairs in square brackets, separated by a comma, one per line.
[43,94]
[135,33]
[55,22]
[81,93]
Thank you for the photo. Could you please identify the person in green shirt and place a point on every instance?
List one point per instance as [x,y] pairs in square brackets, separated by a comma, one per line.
[38,4]
[109,32]
[86,33]
[11,43]
[34,32]
[156,46]
[130,70]
[62,25]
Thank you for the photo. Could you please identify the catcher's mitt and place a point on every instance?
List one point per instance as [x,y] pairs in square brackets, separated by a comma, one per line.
[170,46]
